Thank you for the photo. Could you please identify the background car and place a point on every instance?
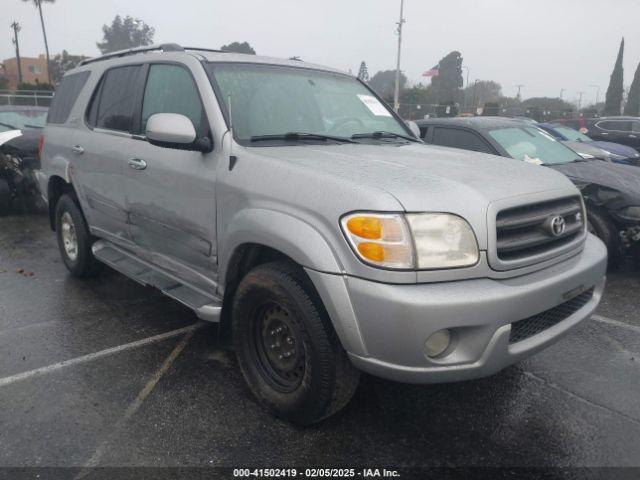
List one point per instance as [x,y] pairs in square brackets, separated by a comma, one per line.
[20,131]
[611,191]
[624,130]
[615,152]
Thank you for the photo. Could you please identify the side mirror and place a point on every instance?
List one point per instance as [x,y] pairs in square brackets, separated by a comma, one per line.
[172,130]
[413,126]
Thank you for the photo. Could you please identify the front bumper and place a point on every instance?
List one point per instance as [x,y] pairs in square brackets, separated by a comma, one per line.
[393,321]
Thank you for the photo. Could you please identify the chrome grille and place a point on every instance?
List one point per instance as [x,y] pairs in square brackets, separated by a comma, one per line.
[523,329]
[529,230]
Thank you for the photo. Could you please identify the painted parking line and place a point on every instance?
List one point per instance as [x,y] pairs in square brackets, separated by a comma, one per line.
[616,323]
[135,405]
[97,355]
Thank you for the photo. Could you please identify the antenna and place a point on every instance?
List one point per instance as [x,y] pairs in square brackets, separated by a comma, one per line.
[232,158]
[230,124]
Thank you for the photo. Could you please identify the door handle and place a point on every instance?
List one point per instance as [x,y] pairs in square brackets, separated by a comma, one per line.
[77,149]
[137,163]
[633,136]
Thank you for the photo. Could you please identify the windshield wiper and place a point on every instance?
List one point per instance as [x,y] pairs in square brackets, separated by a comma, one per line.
[298,136]
[383,134]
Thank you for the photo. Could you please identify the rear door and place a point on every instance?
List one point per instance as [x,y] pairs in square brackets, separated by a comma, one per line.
[171,191]
[102,148]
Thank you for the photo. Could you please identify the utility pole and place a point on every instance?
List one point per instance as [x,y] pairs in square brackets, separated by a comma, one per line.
[519,88]
[396,95]
[580,100]
[562,90]
[16,28]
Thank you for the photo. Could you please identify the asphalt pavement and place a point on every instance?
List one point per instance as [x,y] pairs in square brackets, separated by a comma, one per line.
[105,372]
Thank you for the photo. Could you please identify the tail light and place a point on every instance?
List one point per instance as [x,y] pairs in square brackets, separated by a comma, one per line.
[40,145]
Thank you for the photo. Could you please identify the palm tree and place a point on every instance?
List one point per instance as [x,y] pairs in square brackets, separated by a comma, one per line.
[38,3]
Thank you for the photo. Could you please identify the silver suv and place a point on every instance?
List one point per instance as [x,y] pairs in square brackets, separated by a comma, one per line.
[287,202]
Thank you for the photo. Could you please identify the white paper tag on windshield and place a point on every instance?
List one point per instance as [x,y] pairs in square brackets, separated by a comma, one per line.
[374,105]
[535,161]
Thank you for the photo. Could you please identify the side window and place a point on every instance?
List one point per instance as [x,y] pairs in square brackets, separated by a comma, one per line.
[635,126]
[423,132]
[65,97]
[615,125]
[113,102]
[171,89]
[453,137]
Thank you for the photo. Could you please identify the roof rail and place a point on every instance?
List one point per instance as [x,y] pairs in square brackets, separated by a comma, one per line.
[199,49]
[165,47]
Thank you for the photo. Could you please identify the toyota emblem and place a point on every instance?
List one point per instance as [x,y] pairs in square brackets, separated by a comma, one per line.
[558,225]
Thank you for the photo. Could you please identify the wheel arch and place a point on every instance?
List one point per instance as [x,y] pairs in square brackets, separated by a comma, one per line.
[56,188]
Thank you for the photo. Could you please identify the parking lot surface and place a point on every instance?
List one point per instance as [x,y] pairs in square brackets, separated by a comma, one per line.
[105,372]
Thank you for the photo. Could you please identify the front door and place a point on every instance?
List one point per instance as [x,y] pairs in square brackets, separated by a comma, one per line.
[170,191]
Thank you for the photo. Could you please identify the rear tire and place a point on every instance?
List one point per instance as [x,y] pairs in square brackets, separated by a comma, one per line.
[602,227]
[74,239]
[287,349]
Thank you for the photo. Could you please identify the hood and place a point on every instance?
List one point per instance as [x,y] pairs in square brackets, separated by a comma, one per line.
[617,148]
[586,148]
[592,175]
[424,177]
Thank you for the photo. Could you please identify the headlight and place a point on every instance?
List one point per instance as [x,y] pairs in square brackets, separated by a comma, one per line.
[631,213]
[413,241]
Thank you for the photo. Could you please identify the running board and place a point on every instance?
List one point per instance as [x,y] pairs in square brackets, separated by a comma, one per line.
[206,306]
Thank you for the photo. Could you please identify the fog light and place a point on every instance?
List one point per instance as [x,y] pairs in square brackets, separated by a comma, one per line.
[437,343]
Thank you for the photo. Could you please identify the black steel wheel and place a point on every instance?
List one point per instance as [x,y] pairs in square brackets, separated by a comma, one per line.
[287,349]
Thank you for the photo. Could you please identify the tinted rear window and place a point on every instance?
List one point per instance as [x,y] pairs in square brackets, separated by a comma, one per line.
[66,96]
[114,101]
[453,137]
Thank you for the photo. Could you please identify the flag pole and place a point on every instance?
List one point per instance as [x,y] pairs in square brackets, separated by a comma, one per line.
[396,95]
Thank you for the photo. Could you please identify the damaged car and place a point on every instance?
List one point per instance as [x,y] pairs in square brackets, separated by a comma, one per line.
[611,191]
[20,132]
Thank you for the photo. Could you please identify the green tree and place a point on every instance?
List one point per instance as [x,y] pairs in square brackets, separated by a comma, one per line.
[363,72]
[4,83]
[448,83]
[384,83]
[38,4]
[615,91]
[238,47]
[61,62]
[124,33]
[482,91]
[416,102]
[632,107]
[542,108]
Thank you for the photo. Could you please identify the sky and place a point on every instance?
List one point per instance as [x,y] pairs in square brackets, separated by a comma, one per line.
[545,45]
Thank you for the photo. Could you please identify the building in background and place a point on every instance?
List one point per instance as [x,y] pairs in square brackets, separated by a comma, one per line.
[34,70]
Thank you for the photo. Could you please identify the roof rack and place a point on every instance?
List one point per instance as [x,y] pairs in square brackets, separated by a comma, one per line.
[165,47]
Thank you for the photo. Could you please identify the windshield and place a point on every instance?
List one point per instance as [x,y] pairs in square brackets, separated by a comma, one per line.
[275,100]
[572,135]
[533,145]
[19,119]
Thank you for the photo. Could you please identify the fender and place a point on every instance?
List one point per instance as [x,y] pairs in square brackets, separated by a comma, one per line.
[280,231]
[308,248]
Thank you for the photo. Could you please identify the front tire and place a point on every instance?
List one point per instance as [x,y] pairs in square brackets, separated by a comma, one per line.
[603,228]
[287,349]
[74,239]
